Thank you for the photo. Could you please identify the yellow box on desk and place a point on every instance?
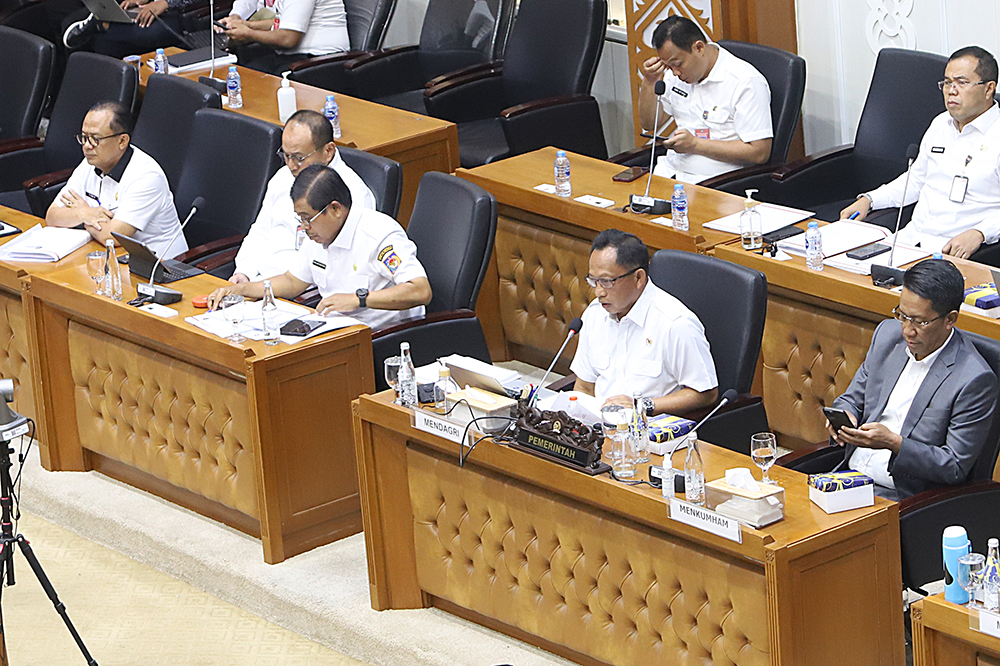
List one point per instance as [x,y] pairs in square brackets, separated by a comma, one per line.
[841,491]
[492,410]
[756,508]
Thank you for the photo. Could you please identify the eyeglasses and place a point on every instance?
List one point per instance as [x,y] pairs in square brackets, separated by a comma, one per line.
[608,283]
[92,140]
[307,224]
[298,159]
[960,84]
[907,319]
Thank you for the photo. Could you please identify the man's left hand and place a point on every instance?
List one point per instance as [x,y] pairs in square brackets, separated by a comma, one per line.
[871,436]
[964,244]
[682,141]
[241,32]
[336,303]
[149,11]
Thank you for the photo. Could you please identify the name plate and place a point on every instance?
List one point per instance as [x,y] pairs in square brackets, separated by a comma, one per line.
[573,455]
[436,425]
[989,623]
[706,520]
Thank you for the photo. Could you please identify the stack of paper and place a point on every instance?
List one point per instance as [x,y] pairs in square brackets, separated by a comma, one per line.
[44,244]
[904,254]
[588,407]
[772,218]
[839,237]
[251,324]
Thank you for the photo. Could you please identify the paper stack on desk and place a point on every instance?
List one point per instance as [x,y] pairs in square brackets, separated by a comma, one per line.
[903,255]
[217,322]
[772,218]
[841,236]
[44,244]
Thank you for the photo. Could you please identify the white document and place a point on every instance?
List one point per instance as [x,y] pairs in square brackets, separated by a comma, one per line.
[560,401]
[548,188]
[904,254]
[772,218]
[591,200]
[44,244]
[475,365]
[839,237]
[217,322]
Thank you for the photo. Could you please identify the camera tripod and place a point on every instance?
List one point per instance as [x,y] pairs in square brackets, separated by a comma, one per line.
[7,541]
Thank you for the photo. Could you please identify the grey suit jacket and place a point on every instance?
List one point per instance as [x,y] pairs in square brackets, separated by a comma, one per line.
[949,419]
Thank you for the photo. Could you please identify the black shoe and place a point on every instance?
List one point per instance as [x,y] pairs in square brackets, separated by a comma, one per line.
[79,33]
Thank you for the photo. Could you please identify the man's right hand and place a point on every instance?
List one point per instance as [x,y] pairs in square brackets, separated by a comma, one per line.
[229,22]
[216,296]
[861,207]
[653,69]
[239,278]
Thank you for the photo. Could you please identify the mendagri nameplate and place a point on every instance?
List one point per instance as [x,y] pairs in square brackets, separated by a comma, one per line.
[436,425]
[704,519]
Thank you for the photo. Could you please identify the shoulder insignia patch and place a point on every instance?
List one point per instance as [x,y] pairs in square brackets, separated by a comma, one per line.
[389,257]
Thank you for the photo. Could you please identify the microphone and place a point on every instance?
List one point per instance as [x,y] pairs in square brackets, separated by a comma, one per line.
[727,398]
[574,328]
[646,204]
[165,295]
[887,276]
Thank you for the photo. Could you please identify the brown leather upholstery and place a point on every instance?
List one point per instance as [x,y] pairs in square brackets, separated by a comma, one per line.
[13,353]
[810,357]
[542,289]
[163,416]
[602,586]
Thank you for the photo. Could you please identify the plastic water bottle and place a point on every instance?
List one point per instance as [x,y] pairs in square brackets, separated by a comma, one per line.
[407,377]
[560,167]
[679,208]
[814,247]
[694,473]
[332,112]
[235,88]
[442,387]
[112,272]
[269,314]
[160,64]
[954,544]
[640,429]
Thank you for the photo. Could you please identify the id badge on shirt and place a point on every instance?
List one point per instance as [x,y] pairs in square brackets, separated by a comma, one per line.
[959,186]
[703,133]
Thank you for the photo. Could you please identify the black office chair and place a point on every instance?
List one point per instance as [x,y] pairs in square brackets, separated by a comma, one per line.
[89,78]
[454,36]
[24,80]
[542,88]
[230,158]
[384,177]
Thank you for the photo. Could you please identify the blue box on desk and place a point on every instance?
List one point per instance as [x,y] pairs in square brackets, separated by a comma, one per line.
[982,296]
[841,491]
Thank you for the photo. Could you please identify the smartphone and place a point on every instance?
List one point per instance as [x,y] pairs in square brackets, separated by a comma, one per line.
[217,23]
[868,251]
[838,418]
[782,234]
[630,174]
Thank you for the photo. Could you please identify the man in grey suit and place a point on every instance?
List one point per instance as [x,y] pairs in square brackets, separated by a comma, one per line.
[924,395]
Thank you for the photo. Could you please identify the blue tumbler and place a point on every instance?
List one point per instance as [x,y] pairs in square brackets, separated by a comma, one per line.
[955,544]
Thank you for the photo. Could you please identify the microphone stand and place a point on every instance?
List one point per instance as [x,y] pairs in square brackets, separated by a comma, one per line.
[646,204]
[165,295]
[888,276]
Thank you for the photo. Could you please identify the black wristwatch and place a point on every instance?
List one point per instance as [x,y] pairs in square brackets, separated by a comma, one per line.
[647,406]
[362,295]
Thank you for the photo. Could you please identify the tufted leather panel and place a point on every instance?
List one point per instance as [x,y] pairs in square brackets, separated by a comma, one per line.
[542,288]
[613,590]
[810,356]
[176,421]
[13,353]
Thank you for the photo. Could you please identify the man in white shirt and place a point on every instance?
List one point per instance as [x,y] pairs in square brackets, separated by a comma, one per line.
[300,29]
[117,187]
[270,245]
[924,395]
[361,260]
[955,178]
[637,337]
[721,104]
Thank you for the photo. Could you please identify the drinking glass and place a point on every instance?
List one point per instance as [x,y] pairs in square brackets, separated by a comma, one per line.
[392,374]
[764,451]
[95,267]
[970,570]
[232,306]
[611,416]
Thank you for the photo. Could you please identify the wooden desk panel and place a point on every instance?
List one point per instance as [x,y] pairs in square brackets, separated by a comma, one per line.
[595,570]
[942,637]
[419,143]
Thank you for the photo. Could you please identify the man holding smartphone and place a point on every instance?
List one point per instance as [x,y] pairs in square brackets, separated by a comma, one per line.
[924,396]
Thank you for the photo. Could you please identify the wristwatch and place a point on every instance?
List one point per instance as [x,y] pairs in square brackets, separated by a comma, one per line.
[362,295]
[647,406]
[866,196]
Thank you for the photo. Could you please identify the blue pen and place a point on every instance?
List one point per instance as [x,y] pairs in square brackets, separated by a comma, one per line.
[854,215]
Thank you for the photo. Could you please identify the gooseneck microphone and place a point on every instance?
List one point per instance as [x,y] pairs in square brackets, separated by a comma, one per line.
[888,276]
[165,295]
[727,397]
[574,328]
[645,203]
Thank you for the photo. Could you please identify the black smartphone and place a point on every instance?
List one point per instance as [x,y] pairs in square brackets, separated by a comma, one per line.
[838,418]
[782,234]
[300,328]
[630,174]
[217,23]
[868,251]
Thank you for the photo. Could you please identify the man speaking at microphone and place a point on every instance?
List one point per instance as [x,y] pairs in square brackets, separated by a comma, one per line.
[117,187]
[955,179]
[637,337]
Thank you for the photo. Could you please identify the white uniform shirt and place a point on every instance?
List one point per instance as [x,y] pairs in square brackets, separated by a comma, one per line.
[943,155]
[875,462]
[371,251]
[732,103]
[136,192]
[269,246]
[657,348]
[323,22]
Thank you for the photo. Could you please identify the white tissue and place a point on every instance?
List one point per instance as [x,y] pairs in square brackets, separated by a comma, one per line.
[740,477]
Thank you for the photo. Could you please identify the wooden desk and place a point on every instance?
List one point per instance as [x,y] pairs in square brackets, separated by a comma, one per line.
[942,637]
[419,143]
[595,571]
[254,436]
[535,285]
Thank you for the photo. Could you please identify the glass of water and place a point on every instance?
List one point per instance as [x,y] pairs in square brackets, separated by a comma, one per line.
[95,267]
[232,306]
[392,374]
[970,574]
[764,451]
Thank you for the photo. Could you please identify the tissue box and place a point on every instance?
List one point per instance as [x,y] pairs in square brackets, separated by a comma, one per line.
[494,416]
[841,491]
[756,508]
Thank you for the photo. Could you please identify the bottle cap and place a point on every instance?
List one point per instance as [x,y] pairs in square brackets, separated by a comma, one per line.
[330,98]
[678,186]
[232,68]
[992,543]
[159,51]
[444,372]
[404,346]
[200,301]
[572,398]
[813,224]
[954,536]
[560,153]
[285,83]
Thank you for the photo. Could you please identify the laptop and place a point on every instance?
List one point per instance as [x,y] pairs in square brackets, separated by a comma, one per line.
[141,261]
[110,11]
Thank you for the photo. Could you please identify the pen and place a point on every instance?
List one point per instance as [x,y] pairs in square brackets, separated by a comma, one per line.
[854,215]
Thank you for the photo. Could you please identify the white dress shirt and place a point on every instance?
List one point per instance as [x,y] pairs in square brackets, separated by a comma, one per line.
[269,246]
[732,103]
[875,462]
[945,153]
[371,251]
[657,348]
